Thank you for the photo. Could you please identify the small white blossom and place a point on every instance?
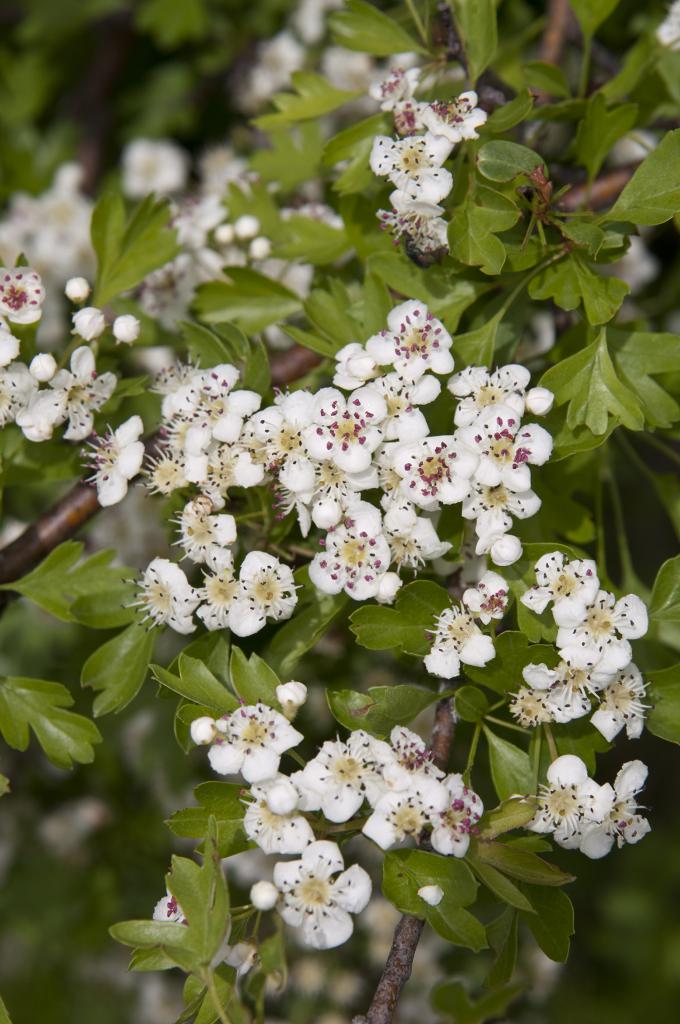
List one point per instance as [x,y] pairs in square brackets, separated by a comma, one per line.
[353,367]
[166,596]
[413,343]
[346,430]
[488,599]
[201,531]
[9,346]
[477,388]
[89,323]
[43,367]
[153,165]
[203,730]
[399,85]
[622,705]
[453,826]
[168,909]
[404,420]
[601,640]
[276,829]
[264,895]
[126,329]
[621,823]
[80,392]
[455,121]
[77,289]
[668,32]
[251,741]
[403,814]
[356,555]
[219,591]
[116,458]
[569,801]
[21,295]
[570,585]
[457,640]
[17,388]
[342,775]
[291,696]
[505,448]
[412,539]
[414,165]
[433,470]
[539,401]
[266,591]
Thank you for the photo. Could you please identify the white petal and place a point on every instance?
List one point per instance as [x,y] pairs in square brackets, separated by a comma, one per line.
[352,889]
[567,770]
[323,859]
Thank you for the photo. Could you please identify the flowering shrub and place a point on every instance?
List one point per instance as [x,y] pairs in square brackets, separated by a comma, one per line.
[373,379]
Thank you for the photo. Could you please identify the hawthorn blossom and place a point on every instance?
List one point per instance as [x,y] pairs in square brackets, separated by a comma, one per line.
[334,492]
[404,420]
[506,449]
[399,85]
[477,388]
[212,405]
[414,165]
[16,388]
[493,509]
[273,824]
[570,585]
[413,342]
[89,323]
[342,775]
[318,895]
[153,165]
[116,458]
[622,705]
[455,121]
[569,801]
[80,392]
[621,822]
[568,689]
[488,599]
[403,814]
[407,762]
[452,827]
[9,346]
[457,640]
[223,466]
[251,741]
[266,591]
[530,707]
[412,539]
[346,430]
[219,591]
[419,223]
[278,429]
[353,367]
[201,531]
[21,295]
[668,32]
[166,597]
[601,640]
[356,555]
[168,909]
[433,470]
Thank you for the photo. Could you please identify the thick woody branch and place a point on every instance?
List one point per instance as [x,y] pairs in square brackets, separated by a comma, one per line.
[601,193]
[407,934]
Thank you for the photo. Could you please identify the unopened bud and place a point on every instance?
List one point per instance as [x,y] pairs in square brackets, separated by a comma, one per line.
[89,323]
[539,401]
[263,895]
[203,730]
[126,329]
[77,289]
[246,227]
[43,367]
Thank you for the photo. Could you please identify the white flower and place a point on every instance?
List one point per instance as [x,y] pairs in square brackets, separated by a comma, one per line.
[455,121]
[219,591]
[266,591]
[251,741]
[407,762]
[478,388]
[291,696]
[80,393]
[404,421]
[431,894]
[89,323]
[126,329]
[539,401]
[389,585]
[488,599]
[353,367]
[505,448]
[346,429]
[226,465]
[203,730]
[264,895]
[414,165]
[342,775]
[41,411]
[168,909]
[403,814]
[413,343]
[16,388]
[116,458]
[311,899]
[153,165]
[569,801]
[399,85]
[166,596]
[9,346]
[77,289]
[601,640]
[356,555]
[21,295]
[412,539]
[433,470]
[276,829]
[621,705]
[202,532]
[43,367]
[493,509]
[419,223]
[214,409]
[621,822]
[457,639]
[571,586]
[278,429]
[452,827]
[530,707]
[504,549]
[668,32]
[335,492]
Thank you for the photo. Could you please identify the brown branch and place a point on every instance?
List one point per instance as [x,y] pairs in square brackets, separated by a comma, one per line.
[554,37]
[407,934]
[292,364]
[601,193]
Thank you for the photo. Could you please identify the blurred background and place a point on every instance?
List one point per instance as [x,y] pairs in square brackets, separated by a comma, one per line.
[79,850]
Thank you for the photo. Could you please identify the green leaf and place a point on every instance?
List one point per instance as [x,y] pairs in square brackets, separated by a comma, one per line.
[171,24]
[197,683]
[314,614]
[499,884]
[652,195]
[204,345]
[477,348]
[407,624]
[589,383]
[665,602]
[361,26]
[520,864]
[201,892]
[312,240]
[451,999]
[343,145]
[511,814]
[40,705]
[129,249]
[253,679]
[221,801]
[553,922]
[513,653]
[663,720]
[591,13]
[571,281]
[471,703]
[313,97]
[61,579]
[406,871]
[599,130]
[502,161]
[381,708]
[149,934]
[473,227]
[4,785]
[118,668]
[546,78]
[476,21]
[510,767]
[638,357]
[502,933]
[510,114]
[248,299]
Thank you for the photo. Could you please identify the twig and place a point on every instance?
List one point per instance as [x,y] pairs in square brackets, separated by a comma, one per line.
[555,33]
[601,193]
[407,934]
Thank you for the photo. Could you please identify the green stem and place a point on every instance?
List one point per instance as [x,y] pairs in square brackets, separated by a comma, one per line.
[346,826]
[296,757]
[422,32]
[585,66]
[599,517]
[537,756]
[211,987]
[75,342]
[627,568]
[552,746]
[506,725]
[473,751]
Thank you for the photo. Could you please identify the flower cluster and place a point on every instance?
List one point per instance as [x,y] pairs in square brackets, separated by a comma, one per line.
[414,161]
[593,643]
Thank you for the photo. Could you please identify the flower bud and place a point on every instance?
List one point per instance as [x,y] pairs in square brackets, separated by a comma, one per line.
[539,401]
[203,730]
[388,585]
[224,234]
[292,694]
[432,894]
[43,367]
[282,797]
[259,248]
[77,289]
[263,895]
[89,323]
[506,550]
[126,329]
[246,227]
[9,347]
